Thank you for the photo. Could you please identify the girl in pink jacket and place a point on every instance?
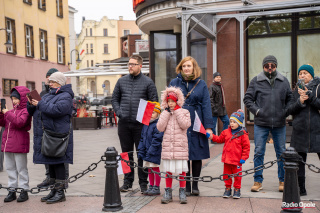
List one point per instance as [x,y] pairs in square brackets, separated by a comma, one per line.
[174,122]
[16,142]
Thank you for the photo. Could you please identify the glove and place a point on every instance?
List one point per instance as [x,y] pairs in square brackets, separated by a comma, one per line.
[242,161]
[168,109]
[208,135]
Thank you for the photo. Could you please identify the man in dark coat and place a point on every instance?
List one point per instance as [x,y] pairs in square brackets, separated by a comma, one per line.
[267,97]
[125,102]
[218,103]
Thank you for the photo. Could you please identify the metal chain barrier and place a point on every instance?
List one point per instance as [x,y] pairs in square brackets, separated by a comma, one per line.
[312,167]
[36,190]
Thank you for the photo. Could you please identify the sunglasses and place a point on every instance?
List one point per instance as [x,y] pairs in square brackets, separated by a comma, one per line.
[267,66]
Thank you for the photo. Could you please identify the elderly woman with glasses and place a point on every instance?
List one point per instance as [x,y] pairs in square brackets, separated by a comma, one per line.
[53,112]
[306,119]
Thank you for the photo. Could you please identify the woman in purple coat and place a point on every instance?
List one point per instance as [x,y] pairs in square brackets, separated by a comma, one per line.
[16,142]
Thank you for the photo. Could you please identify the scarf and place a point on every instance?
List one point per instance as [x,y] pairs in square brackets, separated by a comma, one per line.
[271,76]
[234,131]
[187,77]
[222,92]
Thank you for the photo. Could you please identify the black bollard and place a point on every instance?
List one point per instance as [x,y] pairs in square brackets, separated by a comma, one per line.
[112,198]
[291,195]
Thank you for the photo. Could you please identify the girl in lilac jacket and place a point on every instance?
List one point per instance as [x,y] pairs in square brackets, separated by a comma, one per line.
[16,142]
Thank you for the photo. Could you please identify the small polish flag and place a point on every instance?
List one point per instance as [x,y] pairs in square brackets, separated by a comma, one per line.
[197,126]
[123,167]
[82,51]
[145,112]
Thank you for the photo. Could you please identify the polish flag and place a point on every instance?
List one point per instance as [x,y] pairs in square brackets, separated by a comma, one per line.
[82,51]
[197,126]
[123,167]
[145,112]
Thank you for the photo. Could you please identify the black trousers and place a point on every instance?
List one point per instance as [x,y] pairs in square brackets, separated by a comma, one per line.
[302,168]
[57,171]
[129,135]
[66,166]
[195,170]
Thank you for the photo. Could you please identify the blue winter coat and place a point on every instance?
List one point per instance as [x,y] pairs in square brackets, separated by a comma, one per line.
[56,109]
[199,100]
[150,144]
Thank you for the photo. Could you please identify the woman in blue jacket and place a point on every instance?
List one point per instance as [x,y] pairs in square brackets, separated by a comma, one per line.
[197,100]
[54,111]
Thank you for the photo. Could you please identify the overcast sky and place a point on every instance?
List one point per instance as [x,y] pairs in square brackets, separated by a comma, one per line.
[96,9]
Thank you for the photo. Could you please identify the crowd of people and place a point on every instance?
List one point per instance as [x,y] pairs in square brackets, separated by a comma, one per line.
[169,140]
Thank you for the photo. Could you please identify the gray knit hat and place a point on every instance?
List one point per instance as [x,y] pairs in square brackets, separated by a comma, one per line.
[216,74]
[270,59]
[59,78]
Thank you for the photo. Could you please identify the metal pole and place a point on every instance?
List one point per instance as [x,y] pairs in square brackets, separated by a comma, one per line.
[184,35]
[241,21]
[112,198]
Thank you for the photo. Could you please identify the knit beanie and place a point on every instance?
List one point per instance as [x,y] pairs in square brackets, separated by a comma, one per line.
[173,96]
[270,59]
[237,117]
[51,71]
[156,107]
[216,74]
[15,94]
[59,78]
[308,68]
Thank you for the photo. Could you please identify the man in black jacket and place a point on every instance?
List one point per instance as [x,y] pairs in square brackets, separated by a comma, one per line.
[125,102]
[267,97]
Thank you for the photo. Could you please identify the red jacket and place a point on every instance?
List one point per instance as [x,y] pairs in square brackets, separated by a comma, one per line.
[17,122]
[236,146]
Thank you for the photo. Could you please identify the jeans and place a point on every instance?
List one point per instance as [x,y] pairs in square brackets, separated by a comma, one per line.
[279,141]
[224,119]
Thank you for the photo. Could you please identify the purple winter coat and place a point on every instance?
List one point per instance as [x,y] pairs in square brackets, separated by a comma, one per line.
[17,122]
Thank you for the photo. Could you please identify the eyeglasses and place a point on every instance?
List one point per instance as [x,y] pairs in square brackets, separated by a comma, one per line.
[267,66]
[132,65]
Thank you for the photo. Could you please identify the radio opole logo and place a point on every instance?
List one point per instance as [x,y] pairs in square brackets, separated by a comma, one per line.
[301,205]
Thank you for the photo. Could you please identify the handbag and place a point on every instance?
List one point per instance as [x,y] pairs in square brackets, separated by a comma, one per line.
[54,144]
[189,93]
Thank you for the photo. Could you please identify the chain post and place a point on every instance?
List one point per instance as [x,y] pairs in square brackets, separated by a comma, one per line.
[291,189]
[112,198]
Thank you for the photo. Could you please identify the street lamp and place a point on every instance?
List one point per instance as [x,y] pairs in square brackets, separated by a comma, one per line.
[78,60]
[8,44]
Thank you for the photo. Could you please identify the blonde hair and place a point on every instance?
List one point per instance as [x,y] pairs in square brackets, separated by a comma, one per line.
[196,69]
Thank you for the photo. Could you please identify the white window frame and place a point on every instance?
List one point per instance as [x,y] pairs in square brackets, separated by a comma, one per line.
[9,35]
[28,41]
[58,8]
[43,44]
[60,50]
[40,4]
[124,32]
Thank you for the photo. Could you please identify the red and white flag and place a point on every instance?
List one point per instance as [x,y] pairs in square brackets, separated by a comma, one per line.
[197,126]
[145,112]
[82,51]
[123,167]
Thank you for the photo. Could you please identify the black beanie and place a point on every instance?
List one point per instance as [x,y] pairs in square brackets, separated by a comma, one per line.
[52,70]
[15,94]
[270,59]
[216,74]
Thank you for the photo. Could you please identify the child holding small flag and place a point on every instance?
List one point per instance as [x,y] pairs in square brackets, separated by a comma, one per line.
[150,150]
[235,151]
[174,122]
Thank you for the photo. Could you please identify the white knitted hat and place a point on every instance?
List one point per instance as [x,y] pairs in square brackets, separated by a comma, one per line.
[59,78]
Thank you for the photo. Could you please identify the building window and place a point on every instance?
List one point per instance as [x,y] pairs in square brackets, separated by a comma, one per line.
[29,40]
[105,61]
[86,32]
[11,36]
[43,45]
[28,1]
[59,8]
[61,50]
[91,48]
[31,85]
[90,31]
[42,4]
[87,63]
[87,46]
[105,32]
[105,48]
[91,63]
[126,32]
[8,84]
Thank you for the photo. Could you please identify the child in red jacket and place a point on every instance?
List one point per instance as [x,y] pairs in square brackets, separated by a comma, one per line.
[235,152]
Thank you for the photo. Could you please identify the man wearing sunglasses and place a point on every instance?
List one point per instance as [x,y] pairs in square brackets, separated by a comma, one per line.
[267,97]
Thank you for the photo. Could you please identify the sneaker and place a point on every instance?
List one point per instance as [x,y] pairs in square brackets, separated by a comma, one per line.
[227,193]
[236,194]
[126,187]
[155,191]
[281,186]
[143,188]
[148,191]
[256,187]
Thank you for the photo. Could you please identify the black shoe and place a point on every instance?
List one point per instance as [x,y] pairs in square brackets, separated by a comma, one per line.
[227,193]
[236,194]
[50,195]
[23,197]
[59,196]
[143,188]
[126,187]
[10,197]
[46,182]
[195,190]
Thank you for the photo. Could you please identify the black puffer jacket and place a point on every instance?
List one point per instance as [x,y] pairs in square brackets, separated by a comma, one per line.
[306,120]
[217,101]
[267,103]
[127,94]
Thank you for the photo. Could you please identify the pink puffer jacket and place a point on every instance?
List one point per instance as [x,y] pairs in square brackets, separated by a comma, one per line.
[174,125]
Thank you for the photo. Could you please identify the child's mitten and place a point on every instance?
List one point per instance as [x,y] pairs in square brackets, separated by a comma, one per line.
[242,161]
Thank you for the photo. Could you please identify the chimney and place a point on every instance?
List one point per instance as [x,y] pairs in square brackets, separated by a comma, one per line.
[120,18]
